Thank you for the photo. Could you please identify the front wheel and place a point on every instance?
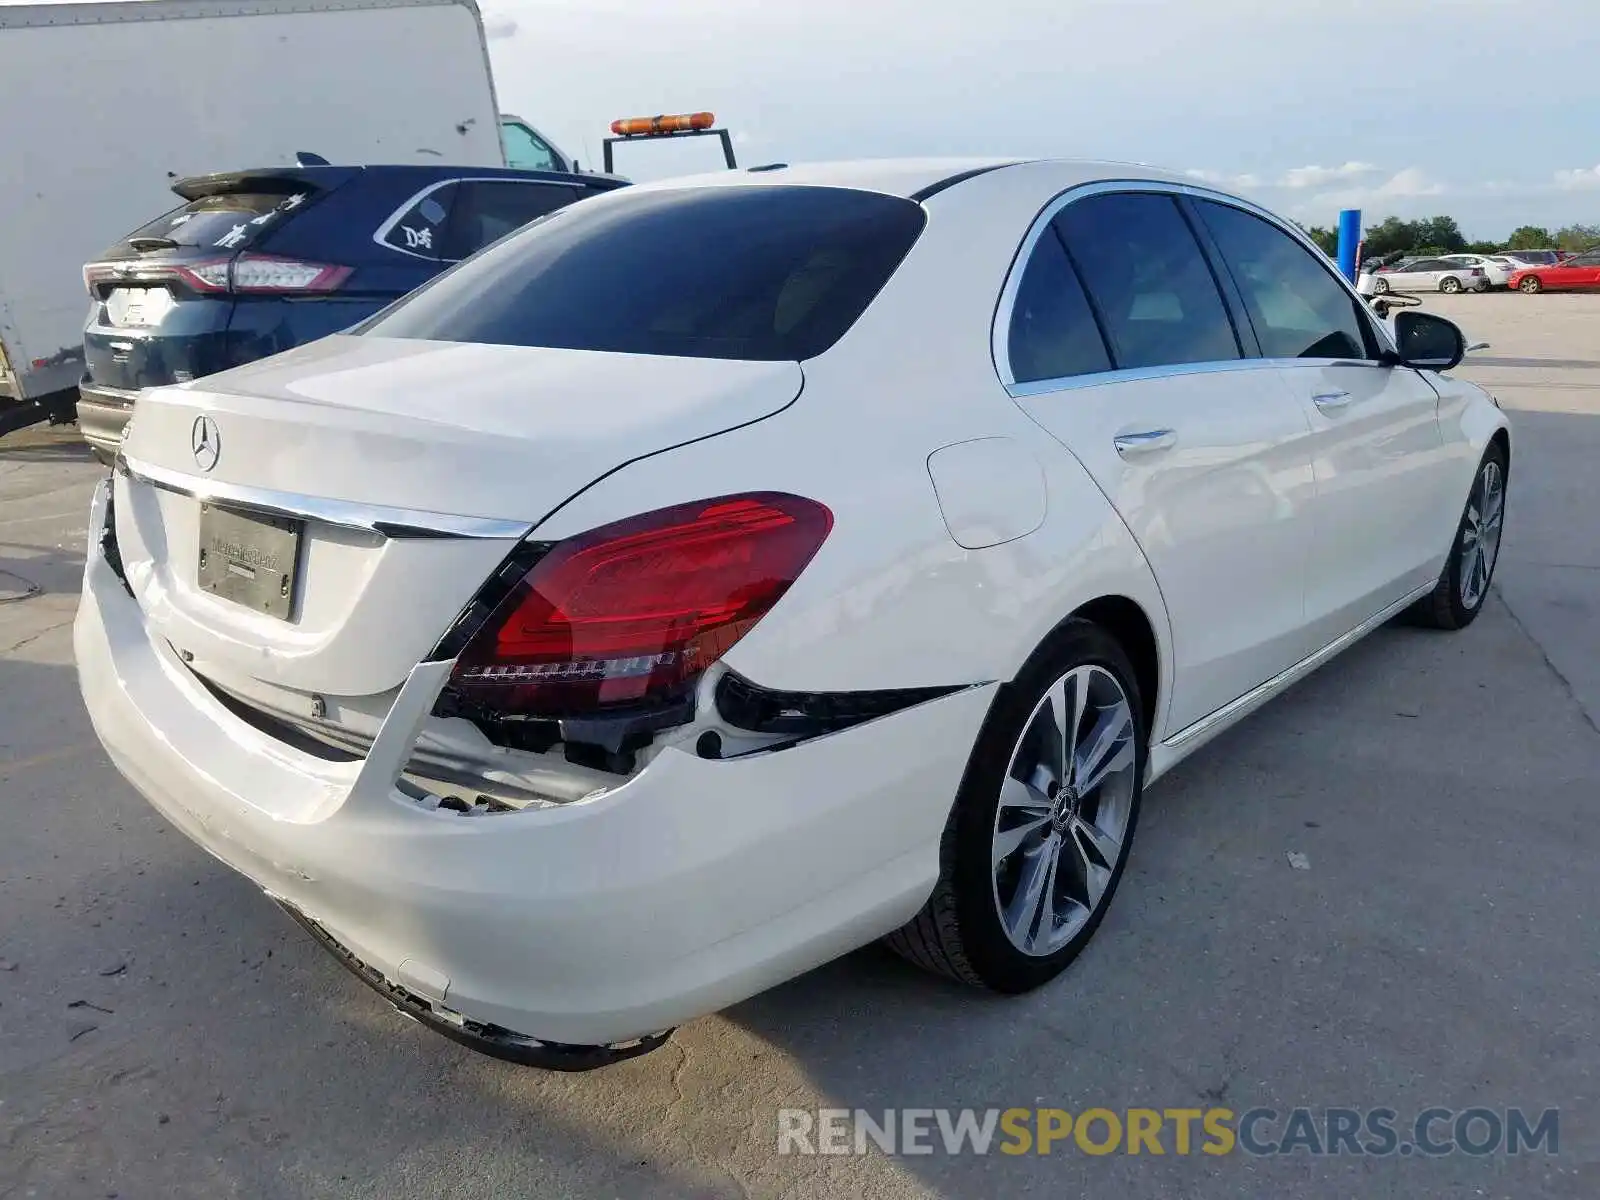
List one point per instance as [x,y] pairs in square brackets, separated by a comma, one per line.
[1463,585]
[1039,836]
[1531,285]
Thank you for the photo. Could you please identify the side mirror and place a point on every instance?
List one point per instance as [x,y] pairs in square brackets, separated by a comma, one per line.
[1429,342]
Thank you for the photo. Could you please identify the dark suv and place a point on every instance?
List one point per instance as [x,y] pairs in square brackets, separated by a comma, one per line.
[258,261]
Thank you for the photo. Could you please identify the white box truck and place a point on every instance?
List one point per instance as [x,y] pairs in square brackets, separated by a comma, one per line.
[103,106]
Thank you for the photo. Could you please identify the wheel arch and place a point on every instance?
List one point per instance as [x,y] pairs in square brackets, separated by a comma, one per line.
[1125,620]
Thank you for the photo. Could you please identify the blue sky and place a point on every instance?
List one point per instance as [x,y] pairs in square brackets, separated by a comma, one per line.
[1485,109]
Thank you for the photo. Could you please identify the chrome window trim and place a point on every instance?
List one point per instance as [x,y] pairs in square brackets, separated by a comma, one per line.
[383,520]
[387,227]
[1000,333]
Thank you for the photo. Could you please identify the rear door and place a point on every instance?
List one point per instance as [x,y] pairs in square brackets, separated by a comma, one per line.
[1118,342]
[1382,475]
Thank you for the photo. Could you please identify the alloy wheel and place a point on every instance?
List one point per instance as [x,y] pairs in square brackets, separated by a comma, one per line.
[1480,533]
[1064,812]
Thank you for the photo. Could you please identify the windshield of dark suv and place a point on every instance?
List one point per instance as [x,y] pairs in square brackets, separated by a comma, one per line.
[768,272]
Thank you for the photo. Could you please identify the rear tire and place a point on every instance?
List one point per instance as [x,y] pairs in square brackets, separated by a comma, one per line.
[1450,285]
[1038,839]
[1531,285]
[1463,586]
[1380,287]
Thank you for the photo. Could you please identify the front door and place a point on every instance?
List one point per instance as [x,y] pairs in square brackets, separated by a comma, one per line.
[1120,346]
[1377,451]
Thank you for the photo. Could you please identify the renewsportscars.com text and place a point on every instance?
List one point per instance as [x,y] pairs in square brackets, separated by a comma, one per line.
[1379,1132]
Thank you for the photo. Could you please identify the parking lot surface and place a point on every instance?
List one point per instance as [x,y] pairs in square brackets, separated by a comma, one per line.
[166,1032]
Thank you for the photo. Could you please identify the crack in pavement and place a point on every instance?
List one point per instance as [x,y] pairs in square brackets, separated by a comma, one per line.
[33,637]
[1566,684]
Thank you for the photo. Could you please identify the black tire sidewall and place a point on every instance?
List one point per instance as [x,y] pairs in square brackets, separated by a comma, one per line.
[1450,286]
[1000,964]
[1380,287]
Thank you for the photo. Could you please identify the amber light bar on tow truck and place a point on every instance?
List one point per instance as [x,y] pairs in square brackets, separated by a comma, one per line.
[674,125]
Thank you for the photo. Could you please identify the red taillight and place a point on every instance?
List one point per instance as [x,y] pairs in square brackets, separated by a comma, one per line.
[267,273]
[635,611]
[251,274]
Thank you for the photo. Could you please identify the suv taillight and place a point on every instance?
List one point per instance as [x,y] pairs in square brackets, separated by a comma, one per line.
[252,274]
[267,273]
[633,612]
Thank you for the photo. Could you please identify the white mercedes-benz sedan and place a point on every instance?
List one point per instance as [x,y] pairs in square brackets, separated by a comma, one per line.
[719,574]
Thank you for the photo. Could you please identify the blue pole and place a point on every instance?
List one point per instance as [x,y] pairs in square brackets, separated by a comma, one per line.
[1349,241]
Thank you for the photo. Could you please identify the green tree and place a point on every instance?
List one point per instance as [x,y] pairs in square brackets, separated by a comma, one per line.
[1327,239]
[1530,237]
[1390,235]
[1577,237]
[1442,232]
[1484,247]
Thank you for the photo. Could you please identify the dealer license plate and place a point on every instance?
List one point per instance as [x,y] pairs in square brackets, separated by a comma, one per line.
[249,558]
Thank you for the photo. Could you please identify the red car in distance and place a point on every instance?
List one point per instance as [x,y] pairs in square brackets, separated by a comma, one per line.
[1579,273]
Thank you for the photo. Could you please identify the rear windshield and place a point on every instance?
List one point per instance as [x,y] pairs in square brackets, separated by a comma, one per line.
[740,272]
[229,222]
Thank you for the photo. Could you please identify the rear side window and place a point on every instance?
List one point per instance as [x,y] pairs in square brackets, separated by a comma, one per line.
[1053,333]
[227,222]
[420,230]
[1297,307]
[484,211]
[1148,280]
[766,273]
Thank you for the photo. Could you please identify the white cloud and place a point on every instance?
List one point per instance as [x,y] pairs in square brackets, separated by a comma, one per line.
[1581,180]
[1412,181]
[499,27]
[1223,179]
[1316,177]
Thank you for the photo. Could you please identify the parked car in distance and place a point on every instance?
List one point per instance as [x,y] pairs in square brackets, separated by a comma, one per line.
[1533,258]
[254,262]
[1580,273]
[1429,275]
[1496,269]
[609,630]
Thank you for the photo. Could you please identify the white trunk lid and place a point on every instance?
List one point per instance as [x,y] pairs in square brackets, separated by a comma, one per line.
[405,435]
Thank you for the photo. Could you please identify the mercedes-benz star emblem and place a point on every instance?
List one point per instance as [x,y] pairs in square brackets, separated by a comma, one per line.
[206,442]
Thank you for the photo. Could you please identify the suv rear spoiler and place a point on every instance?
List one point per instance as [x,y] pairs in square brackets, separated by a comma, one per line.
[269,180]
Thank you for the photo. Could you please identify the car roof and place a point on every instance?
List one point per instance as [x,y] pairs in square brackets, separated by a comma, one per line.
[912,178]
[333,173]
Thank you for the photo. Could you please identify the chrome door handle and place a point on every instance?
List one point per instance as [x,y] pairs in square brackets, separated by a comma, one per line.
[1328,401]
[1144,441]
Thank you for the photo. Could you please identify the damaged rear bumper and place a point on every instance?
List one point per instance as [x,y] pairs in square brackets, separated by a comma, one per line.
[691,885]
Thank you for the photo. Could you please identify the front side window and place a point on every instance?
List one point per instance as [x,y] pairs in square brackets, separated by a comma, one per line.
[763,273]
[525,150]
[1148,280]
[1296,306]
[1053,334]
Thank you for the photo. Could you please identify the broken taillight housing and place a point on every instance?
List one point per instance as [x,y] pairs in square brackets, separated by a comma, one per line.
[631,613]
